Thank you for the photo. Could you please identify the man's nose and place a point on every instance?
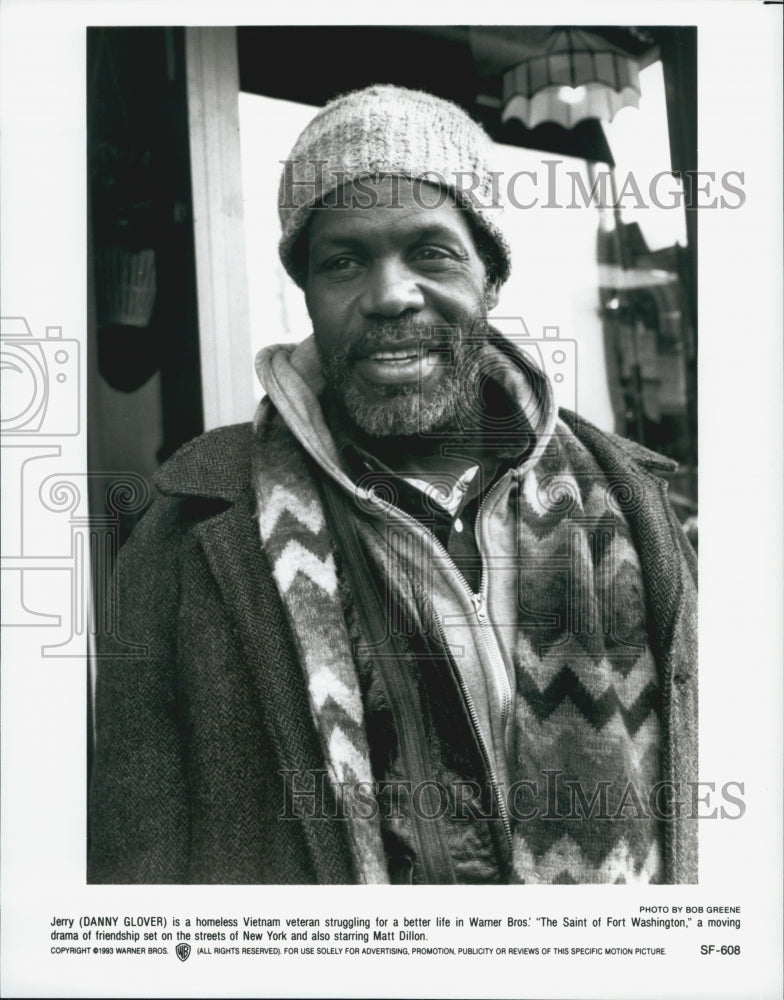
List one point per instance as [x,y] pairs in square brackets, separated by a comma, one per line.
[390,289]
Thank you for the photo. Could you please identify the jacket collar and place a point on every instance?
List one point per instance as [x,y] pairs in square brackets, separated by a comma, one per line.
[215,466]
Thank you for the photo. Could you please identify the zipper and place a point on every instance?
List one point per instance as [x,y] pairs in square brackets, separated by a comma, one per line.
[479,602]
[480,605]
[499,668]
[469,702]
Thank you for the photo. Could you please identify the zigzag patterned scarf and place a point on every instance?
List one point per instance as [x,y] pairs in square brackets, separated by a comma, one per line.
[588,705]
[294,533]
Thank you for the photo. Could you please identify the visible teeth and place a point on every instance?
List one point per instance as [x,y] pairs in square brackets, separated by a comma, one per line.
[403,355]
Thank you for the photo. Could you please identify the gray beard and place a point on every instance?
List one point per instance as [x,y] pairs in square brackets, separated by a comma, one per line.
[451,404]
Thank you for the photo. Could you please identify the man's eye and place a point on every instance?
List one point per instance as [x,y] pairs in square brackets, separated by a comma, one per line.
[340,264]
[431,253]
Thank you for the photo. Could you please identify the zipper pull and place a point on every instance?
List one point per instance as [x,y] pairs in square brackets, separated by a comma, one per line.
[479,605]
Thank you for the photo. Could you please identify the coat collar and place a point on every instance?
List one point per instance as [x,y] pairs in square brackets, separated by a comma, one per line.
[649,460]
[215,466]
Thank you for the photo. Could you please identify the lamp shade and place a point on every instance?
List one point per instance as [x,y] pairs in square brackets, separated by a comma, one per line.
[578,75]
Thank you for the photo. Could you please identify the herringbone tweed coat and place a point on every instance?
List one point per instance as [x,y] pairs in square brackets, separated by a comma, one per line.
[196,725]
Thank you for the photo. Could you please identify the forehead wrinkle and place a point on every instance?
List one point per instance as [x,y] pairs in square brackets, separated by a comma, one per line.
[415,232]
[354,229]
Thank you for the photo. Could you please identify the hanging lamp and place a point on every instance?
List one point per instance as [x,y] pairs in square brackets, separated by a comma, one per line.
[577,75]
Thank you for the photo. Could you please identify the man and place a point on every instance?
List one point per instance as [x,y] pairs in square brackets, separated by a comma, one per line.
[413,626]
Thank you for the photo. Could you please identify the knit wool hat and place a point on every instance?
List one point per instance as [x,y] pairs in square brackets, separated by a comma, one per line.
[390,130]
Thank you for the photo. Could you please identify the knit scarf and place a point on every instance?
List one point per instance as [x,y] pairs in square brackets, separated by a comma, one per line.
[588,706]
[294,533]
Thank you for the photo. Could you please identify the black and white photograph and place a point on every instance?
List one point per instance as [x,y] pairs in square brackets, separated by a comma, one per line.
[412,580]
[373,393]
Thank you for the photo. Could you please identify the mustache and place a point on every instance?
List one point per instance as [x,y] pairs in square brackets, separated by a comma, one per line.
[385,333]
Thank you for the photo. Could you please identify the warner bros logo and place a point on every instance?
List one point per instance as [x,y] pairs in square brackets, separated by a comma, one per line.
[183,950]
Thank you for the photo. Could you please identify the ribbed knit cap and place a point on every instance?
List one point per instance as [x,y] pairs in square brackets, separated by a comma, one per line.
[390,130]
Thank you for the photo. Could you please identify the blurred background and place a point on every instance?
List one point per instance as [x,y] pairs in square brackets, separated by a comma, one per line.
[187,128]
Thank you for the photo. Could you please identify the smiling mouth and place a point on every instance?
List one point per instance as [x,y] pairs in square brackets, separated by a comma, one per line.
[398,354]
[401,363]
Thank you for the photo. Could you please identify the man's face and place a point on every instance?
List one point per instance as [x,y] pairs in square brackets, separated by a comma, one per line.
[397,294]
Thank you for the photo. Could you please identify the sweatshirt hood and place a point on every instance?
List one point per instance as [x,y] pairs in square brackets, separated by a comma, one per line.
[293,379]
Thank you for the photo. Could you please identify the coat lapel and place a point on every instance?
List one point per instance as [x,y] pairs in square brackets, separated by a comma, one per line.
[230,540]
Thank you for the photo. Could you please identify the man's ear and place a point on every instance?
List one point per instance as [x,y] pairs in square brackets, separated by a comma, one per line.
[492,291]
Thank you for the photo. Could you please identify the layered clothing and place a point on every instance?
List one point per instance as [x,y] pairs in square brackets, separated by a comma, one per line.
[319,694]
